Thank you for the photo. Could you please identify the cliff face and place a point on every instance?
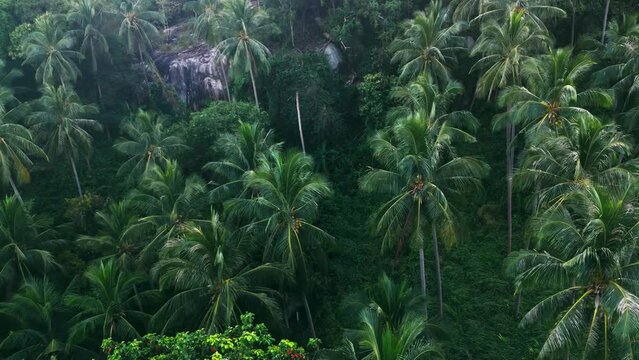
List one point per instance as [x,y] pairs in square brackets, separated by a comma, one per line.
[197,74]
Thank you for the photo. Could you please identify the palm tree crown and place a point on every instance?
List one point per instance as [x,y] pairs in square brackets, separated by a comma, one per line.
[429,44]
[49,50]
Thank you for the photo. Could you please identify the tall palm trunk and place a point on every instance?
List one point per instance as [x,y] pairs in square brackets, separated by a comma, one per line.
[226,81]
[248,53]
[15,190]
[509,187]
[438,272]
[605,22]
[422,261]
[299,120]
[257,103]
[290,25]
[574,19]
[75,174]
[309,316]
[510,165]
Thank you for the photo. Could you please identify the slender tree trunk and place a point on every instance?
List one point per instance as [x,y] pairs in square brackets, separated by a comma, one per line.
[438,272]
[15,190]
[75,174]
[309,316]
[509,187]
[257,103]
[290,25]
[422,272]
[605,22]
[299,120]
[422,261]
[574,19]
[226,81]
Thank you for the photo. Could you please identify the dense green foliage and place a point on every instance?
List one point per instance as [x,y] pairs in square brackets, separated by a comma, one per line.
[346,179]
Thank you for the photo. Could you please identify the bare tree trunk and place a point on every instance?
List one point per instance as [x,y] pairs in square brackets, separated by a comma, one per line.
[509,186]
[226,81]
[257,103]
[438,272]
[572,28]
[290,25]
[422,273]
[15,190]
[75,174]
[605,22]
[299,120]
[309,316]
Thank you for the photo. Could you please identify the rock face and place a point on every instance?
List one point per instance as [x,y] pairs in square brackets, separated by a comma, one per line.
[197,74]
[333,55]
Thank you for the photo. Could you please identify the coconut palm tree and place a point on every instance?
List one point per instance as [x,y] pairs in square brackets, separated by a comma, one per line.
[25,244]
[108,308]
[581,153]
[39,311]
[478,11]
[167,200]
[120,235]
[16,143]
[285,204]
[87,16]
[243,150]
[60,122]
[429,44]
[423,176]
[207,16]
[585,257]
[622,53]
[241,23]
[213,281]
[49,50]
[137,29]
[147,143]
[550,96]
[504,48]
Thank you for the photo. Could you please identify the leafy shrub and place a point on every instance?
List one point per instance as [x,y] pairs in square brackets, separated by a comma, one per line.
[205,127]
[374,99]
[247,341]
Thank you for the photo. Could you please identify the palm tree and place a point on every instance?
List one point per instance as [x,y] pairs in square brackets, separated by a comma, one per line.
[108,308]
[551,96]
[504,49]
[241,21]
[207,16]
[422,174]
[214,282]
[39,310]
[287,192]
[49,50]
[243,150]
[379,341]
[391,300]
[25,241]
[477,11]
[16,143]
[147,143]
[60,123]
[622,52]
[87,15]
[585,255]
[578,154]
[120,235]
[167,200]
[428,44]
[137,29]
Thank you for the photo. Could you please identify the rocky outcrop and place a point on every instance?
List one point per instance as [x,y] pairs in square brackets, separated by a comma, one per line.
[197,74]
[333,55]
